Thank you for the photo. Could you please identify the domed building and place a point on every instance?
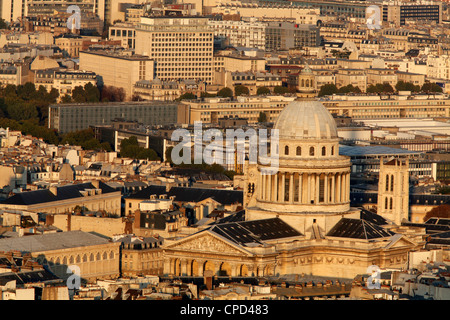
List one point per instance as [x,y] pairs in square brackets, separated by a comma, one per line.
[298,217]
[313,181]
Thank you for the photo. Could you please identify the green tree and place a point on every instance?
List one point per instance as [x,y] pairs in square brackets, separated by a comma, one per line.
[240,90]
[92,92]
[280,90]
[207,94]
[349,89]
[406,86]
[431,87]
[262,117]
[27,91]
[327,90]
[79,95]
[148,154]
[66,99]
[262,91]
[380,88]
[3,24]
[225,93]
[187,96]
[20,110]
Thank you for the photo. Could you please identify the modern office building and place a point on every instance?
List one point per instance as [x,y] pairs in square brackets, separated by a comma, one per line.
[399,12]
[10,10]
[389,106]
[182,47]
[120,69]
[72,117]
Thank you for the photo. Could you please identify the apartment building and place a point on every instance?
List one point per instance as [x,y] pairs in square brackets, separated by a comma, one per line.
[354,77]
[125,32]
[118,68]
[94,195]
[438,67]
[270,12]
[71,44]
[210,110]
[14,73]
[245,32]
[288,35]
[182,47]
[376,75]
[63,80]
[252,80]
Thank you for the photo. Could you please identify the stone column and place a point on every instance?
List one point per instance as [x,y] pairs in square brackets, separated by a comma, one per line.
[183,267]
[275,187]
[269,187]
[291,187]
[308,198]
[338,189]
[316,200]
[300,187]
[259,186]
[262,192]
[325,185]
[283,185]
[333,187]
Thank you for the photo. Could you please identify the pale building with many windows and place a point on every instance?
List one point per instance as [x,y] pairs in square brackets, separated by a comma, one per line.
[63,80]
[246,32]
[209,110]
[182,47]
[118,69]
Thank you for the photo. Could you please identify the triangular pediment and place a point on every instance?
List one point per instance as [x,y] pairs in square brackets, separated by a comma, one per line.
[207,241]
[400,241]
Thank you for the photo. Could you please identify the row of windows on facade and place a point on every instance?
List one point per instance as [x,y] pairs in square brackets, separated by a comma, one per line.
[80,259]
[312,151]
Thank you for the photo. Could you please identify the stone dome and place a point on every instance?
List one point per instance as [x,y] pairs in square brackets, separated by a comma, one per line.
[306,120]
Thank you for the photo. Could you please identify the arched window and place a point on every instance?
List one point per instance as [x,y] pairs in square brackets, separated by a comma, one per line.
[332,150]
[111,255]
[386,203]
[286,150]
[307,83]
[91,257]
[392,182]
[311,151]
[105,256]
[299,151]
[324,151]
[387,182]
[84,258]
[78,259]
[303,83]
[390,203]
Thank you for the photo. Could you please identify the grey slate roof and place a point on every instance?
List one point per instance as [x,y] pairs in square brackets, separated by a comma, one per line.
[186,194]
[255,231]
[45,195]
[51,241]
[357,229]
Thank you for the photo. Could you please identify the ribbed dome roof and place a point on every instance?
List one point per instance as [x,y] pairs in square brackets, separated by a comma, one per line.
[306,120]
